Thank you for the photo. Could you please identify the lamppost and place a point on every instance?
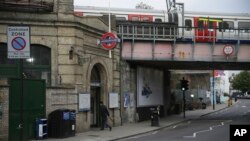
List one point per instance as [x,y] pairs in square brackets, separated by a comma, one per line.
[192,100]
[192,96]
[230,84]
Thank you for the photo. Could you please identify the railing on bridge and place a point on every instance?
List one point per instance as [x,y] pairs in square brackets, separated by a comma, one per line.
[171,32]
[147,31]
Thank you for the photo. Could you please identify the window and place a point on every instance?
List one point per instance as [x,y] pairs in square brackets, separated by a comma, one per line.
[158,20]
[38,66]
[145,19]
[244,26]
[135,18]
[200,25]
[188,24]
[3,56]
[120,18]
[226,26]
[210,25]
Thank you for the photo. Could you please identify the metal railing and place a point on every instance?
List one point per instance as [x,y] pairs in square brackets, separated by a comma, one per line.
[147,31]
[171,32]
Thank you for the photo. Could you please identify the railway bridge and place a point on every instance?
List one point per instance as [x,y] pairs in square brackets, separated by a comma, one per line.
[166,45]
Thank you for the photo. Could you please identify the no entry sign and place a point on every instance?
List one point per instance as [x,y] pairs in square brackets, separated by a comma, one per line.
[228,50]
[18,41]
[109,40]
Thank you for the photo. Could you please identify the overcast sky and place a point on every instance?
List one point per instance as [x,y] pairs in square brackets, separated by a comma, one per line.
[225,6]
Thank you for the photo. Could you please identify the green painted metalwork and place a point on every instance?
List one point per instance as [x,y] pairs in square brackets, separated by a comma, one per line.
[26,104]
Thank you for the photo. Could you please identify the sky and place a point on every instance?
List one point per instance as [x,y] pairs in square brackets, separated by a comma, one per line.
[224,6]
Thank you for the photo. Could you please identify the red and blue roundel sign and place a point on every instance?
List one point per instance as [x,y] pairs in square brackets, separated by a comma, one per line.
[109,40]
[228,50]
[18,43]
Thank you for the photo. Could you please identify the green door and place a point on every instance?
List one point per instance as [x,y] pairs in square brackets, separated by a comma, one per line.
[26,104]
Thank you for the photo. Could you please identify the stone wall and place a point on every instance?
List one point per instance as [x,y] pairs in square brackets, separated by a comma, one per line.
[4,112]
[128,90]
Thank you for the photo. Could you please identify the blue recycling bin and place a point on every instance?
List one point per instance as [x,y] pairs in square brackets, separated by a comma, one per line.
[41,128]
[72,122]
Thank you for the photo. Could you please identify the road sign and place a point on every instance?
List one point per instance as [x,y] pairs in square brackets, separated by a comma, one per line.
[18,42]
[228,50]
[109,40]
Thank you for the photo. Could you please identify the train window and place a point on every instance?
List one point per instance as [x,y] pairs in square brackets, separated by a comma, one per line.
[244,26]
[200,25]
[188,24]
[120,18]
[145,19]
[158,20]
[226,26]
[135,19]
[210,25]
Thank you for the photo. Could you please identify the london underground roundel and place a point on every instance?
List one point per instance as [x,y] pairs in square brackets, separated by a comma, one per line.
[109,40]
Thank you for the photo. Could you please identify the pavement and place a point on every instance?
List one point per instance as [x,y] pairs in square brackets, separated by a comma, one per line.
[133,129]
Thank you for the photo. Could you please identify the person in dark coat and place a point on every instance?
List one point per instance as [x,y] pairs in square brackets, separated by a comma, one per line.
[104,116]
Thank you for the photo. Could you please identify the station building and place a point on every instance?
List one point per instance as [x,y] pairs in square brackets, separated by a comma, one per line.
[65,54]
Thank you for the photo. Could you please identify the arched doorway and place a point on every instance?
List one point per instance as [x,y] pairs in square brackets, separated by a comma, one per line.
[97,93]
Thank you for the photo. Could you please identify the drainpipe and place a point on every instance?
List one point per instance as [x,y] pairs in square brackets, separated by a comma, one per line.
[182,13]
[120,66]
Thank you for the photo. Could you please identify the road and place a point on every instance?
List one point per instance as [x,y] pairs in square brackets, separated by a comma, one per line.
[213,127]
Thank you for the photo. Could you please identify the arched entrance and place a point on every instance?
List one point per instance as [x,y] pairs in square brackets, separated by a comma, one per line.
[97,88]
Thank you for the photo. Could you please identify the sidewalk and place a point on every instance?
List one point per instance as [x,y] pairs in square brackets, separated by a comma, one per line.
[132,129]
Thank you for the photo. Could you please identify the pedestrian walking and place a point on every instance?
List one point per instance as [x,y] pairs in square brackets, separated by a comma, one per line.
[104,116]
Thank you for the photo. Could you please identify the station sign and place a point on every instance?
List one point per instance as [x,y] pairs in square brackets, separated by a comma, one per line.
[18,42]
[109,40]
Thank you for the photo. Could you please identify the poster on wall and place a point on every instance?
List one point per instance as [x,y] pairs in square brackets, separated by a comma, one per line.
[126,100]
[149,87]
[113,100]
[84,102]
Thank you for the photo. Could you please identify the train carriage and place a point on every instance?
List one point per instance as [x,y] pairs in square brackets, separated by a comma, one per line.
[197,26]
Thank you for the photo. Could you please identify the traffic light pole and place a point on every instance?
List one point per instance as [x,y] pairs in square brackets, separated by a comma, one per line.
[184,104]
[213,92]
[184,87]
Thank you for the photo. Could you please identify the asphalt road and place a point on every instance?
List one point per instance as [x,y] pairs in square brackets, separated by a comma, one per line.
[212,127]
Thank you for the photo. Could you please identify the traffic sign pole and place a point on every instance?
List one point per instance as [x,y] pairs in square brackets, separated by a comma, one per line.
[19,48]
[184,104]
[110,54]
[108,41]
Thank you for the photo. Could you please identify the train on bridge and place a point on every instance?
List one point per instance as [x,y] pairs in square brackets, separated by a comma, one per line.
[194,26]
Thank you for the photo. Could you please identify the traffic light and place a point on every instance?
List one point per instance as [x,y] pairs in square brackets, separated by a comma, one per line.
[184,84]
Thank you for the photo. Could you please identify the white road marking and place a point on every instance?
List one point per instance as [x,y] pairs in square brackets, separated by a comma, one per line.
[244,106]
[174,126]
[210,129]
[154,132]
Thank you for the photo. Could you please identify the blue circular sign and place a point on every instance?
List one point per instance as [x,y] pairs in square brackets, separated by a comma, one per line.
[18,43]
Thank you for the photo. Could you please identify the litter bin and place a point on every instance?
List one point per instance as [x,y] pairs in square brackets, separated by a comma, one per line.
[41,128]
[154,116]
[203,105]
[61,122]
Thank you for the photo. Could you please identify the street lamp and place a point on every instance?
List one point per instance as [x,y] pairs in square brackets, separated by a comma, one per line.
[192,95]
